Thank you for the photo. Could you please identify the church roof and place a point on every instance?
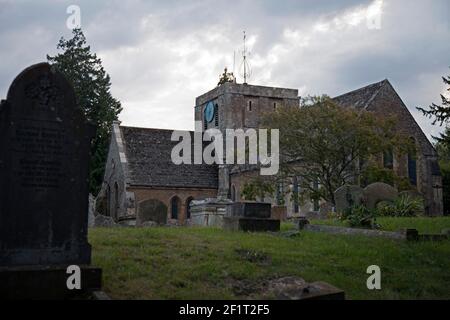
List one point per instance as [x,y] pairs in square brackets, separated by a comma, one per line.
[149,164]
[361,98]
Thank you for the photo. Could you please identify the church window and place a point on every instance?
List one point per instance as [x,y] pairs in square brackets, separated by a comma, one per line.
[116,201]
[250,106]
[295,194]
[388,159]
[108,201]
[316,200]
[280,194]
[274,106]
[412,163]
[175,207]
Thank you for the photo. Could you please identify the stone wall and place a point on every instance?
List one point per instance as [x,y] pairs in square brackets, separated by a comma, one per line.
[166,195]
[114,185]
[429,181]
[241,106]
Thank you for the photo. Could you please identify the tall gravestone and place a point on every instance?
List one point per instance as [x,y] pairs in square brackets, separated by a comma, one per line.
[45,145]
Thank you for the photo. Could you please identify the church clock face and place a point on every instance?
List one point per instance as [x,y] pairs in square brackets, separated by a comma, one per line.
[209,112]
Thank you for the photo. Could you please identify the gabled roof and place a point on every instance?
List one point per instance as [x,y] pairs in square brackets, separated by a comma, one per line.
[361,98]
[148,154]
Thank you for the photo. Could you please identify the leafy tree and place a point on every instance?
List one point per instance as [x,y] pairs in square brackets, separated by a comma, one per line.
[92,89]
[256,189]
[324,145]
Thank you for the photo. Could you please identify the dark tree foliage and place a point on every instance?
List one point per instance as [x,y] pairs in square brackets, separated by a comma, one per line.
[440,113]
[92,89]
[443,149]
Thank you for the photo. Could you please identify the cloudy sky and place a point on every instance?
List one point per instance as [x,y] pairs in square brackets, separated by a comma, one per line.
[162,54]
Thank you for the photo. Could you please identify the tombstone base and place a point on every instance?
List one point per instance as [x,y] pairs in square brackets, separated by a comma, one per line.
[251,224]
[46,283]
[77,254]
[209,212]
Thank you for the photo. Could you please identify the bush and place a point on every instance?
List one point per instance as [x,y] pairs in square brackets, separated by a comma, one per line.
[404,206]
[360,216]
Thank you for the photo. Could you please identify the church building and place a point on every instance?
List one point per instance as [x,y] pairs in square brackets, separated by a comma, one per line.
[142,184]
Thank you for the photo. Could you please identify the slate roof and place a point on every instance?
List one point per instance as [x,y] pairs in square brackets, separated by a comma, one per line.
[148,153]
[361,98]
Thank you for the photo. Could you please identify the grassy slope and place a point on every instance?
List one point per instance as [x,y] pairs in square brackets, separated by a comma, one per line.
[202,263]
[424,225]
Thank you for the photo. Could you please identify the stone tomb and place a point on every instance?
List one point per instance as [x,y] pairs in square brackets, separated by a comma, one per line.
[348,196]
[250,216]
[45,143]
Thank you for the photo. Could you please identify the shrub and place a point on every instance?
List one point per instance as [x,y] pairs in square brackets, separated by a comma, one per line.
[403,206]
[360,216]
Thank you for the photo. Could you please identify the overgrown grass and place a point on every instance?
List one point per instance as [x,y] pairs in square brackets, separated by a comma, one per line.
[206,263]
[423,224]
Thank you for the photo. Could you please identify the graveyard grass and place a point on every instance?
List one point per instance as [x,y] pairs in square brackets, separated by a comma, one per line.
[207,263]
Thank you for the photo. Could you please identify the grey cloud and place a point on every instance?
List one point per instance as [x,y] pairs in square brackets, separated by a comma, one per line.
[161,54]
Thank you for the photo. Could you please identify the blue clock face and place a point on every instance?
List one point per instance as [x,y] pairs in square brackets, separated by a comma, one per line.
[209,112]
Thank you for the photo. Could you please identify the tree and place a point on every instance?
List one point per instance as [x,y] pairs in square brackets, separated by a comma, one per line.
[443,149]
[326,146]
[92,89]
[440,113]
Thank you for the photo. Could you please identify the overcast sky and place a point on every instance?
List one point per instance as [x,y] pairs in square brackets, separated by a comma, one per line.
[162,54]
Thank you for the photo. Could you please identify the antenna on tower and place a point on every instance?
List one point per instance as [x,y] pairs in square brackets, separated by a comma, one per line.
[234,62]
[245,65]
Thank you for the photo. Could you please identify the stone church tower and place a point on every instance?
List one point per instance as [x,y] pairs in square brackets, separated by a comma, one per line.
[239,106]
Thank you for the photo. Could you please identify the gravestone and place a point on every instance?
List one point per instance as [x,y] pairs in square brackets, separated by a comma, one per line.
[348,196]
[378,192]
[251,210]
[153,210]
[325,210]
[250,216]
[45,143]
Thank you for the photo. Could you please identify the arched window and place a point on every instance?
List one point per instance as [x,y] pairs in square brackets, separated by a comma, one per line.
[388,159]
[188,207]
[233,193]
[412,163]
[280,194]
[116,200]
[295,192]
[108,201]
[175,207]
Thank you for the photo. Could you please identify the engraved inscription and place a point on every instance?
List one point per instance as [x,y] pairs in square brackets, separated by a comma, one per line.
[46,95]
[40,153]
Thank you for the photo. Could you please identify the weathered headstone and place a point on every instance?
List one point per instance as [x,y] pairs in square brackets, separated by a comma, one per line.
[45,143]
[348,196]
[325,210]
[377,192]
